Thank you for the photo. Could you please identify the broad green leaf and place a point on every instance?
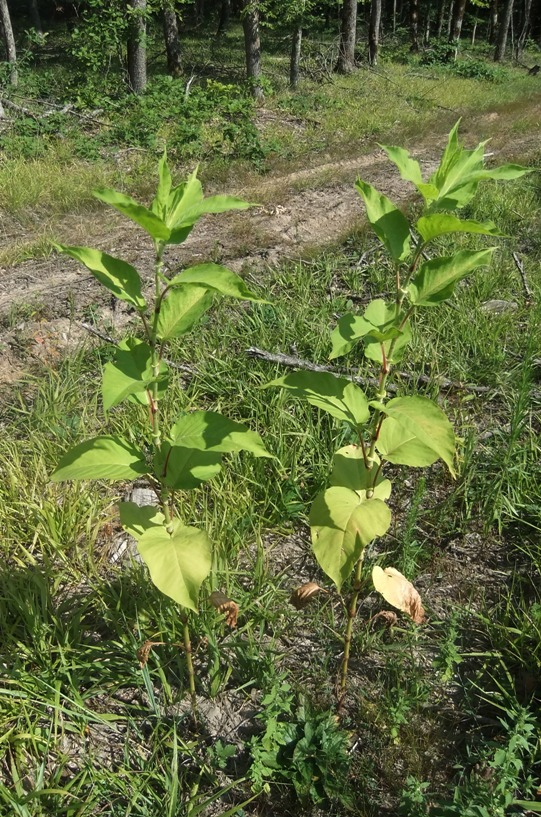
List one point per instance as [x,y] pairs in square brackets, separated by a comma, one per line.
[179,562]
[408,168]
[349,329]
[390,225]
[180,234]
[343,524]
[349,471]
[449,157]
[145,218]
[101,458]
[216,277]
[180,309]
[505,172]
[186,468]
[209,431]
[339,397]
[136,519]
[436,279]
[159,205]
[184,198]
[372,348]
[130,373]
[116,275]
[427,423]
[222,204]
[529,805]
[438,224]
[400,446]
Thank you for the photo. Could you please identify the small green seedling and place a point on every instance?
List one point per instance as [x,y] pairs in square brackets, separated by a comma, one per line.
[410,430]
[190,452]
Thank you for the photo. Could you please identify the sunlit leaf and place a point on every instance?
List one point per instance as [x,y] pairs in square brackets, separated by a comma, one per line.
[105,457]
[398,592]
[116,275]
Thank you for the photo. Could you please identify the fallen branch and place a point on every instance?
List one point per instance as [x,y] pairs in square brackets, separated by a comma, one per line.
[298,363]
[181,367]
[528,294]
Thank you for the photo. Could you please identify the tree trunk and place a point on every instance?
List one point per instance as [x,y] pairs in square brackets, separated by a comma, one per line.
[199,10]
[296,42]
[9,42]
[426,38]
[373,32]
[456,24]
[493,22]
[137,52]
[502,32]
[441,16]
[450,19]
[348,34]
[414,25]
[252,45]
[225,14]
[172,41]
[394,16]
[524,29]
[33,11]
[474,31]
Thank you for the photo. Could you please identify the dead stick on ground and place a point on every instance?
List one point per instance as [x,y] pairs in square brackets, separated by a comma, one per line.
[182,367]
[520,266]
[298,363]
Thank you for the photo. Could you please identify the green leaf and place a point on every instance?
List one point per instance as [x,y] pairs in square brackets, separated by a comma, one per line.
[186,468]
[400,446]
[372,349]
[136,519]
[159,205]
[145,218]
[183,199]
[130,373]
[436,279]
[529,805]
[181,309]
[216,277]
[408,168]
[339,397]
[180,234]
[427,423]
[349,471]
[438,224]
[384,321]
[179,562]
[390,225]
[222,204]
[116,275]
[342,526]
[349,329]
[505,172]
[209,431]
[101,458]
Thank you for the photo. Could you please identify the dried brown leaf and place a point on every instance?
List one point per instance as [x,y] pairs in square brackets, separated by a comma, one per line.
[386,616]
[144,651]
[304,594]
[399,592]
[225,605]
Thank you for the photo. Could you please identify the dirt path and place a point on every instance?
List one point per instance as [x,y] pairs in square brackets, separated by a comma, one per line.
[310,208]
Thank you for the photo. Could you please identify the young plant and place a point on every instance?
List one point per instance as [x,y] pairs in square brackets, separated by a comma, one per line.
[189,452]
[410,430]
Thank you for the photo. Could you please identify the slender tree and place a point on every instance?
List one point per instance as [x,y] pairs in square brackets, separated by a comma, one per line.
[503,30]
[252,45]
[137,52]
[295,59]
[459,8]
[414,25]
[172,40]
[348,35]
[225,14]
[35,17]
[524,29]
[441,16]
[373,31]
[9,42]
[493,22]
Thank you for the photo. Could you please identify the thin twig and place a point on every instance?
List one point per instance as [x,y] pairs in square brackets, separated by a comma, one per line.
[298,363]
[528,294]
[182,367]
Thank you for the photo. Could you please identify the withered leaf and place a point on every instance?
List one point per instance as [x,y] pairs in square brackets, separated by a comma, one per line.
[304,594]
[399,592]
[225,605]
[388,618]
[144,651]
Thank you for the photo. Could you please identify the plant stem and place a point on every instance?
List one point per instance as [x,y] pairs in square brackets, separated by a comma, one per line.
[352,612]
[189,666]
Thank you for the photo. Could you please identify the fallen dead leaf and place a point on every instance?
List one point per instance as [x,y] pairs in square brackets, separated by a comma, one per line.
[144,651]
[386,616]
[225,605]
[399,592]
[304,594]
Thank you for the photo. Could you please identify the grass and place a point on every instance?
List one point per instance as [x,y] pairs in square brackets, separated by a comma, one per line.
[86,729]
